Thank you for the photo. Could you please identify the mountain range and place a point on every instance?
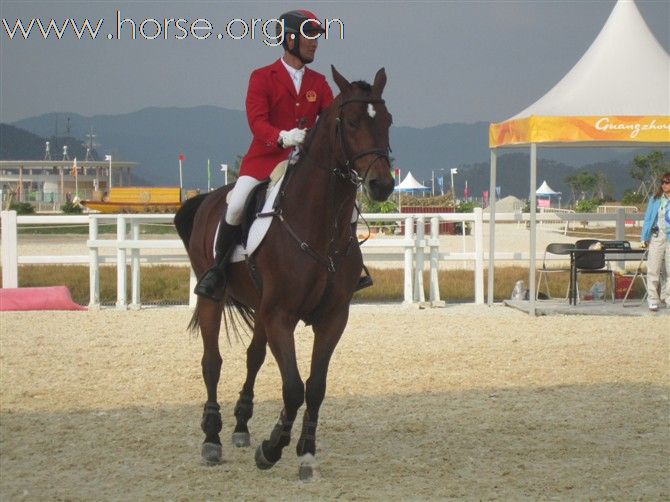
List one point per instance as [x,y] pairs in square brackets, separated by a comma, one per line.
[154,138]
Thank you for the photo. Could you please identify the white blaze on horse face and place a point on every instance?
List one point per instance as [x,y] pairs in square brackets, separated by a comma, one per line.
[371,110]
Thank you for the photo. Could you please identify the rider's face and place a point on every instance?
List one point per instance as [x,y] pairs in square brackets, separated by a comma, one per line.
[308,48]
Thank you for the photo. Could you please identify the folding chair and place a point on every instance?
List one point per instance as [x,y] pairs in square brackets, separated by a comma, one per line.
[592,263]
[556,248]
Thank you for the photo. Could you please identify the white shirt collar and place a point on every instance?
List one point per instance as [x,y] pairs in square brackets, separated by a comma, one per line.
[296,75]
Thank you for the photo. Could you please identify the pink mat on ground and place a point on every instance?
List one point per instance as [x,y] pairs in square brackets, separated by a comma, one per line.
[48,298]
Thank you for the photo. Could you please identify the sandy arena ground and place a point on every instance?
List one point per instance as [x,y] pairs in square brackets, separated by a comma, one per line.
[464,402]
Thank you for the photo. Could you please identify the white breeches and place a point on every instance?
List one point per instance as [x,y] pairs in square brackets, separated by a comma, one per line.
[238,196]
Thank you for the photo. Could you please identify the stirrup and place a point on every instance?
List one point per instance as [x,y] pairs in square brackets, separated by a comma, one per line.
[211,284]
[364,281]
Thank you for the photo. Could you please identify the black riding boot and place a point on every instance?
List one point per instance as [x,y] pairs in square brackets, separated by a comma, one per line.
[211,284]
[365,281]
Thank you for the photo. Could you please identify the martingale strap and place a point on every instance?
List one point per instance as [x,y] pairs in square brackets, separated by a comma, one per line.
[327,261]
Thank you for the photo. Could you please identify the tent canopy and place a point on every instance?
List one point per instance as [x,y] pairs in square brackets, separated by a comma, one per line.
[545,189]
[410,183]
[616,93]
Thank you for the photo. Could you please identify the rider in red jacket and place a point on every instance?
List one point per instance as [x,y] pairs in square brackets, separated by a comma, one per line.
[284,99]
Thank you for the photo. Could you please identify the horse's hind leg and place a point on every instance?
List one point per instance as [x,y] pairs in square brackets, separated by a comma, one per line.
[209,314]
[244,408]
[279,327]
[327,333]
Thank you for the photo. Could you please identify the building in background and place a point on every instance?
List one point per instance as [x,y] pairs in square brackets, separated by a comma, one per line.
[47,184]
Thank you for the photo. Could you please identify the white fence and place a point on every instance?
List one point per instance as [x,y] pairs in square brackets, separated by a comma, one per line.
[413,249]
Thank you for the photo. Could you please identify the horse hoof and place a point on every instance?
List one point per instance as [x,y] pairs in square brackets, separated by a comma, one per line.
[261,462]
[241,439]
[211,453]
[309,469]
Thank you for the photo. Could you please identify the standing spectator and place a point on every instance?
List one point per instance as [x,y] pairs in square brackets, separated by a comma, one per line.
[655,235]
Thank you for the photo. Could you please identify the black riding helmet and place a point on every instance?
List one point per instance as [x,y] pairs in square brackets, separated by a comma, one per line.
[293,21]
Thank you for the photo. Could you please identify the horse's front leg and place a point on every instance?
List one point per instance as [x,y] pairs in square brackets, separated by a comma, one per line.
[327,333]
[209,314]
[244,408]
[279,328]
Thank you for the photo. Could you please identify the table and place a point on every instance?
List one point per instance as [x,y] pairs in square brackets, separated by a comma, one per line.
[610,255]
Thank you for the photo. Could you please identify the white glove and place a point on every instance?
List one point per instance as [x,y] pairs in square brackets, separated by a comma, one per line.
[293,137]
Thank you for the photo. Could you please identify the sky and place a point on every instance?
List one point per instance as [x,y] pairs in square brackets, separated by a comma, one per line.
[446,61]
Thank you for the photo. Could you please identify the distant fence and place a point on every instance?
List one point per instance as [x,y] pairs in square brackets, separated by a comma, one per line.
[415,249]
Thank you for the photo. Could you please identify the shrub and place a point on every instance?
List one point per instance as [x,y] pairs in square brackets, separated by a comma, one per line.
[22,208]
[631,197]
[71,208]
[371,206]
[466,207]
[587,205]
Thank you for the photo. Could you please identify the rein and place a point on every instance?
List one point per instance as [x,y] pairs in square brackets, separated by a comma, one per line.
[348,174]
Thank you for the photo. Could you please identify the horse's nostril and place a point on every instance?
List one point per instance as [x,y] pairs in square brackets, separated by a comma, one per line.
[380,189]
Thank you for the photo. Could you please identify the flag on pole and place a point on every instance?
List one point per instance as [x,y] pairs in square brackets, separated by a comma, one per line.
[181,157]
[466,192]
[209,176]
[108,158]
[73,171]
[454,170]
[485,196]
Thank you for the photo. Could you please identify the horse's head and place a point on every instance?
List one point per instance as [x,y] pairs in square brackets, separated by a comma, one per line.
[362,128]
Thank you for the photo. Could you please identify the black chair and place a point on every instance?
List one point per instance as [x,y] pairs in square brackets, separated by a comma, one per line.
[592,263]
[556,248]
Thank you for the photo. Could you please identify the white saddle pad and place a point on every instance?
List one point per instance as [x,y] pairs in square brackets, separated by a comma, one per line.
[258,228]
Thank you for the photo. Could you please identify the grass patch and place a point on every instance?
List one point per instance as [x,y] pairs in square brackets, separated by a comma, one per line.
[161,284]
[169,285]
[632,234]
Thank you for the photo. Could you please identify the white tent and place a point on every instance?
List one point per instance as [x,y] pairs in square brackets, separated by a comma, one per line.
[410,183]
[616,95]
[545,190]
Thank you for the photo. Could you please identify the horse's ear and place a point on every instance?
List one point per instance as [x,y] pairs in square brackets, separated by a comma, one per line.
[380,81]
[341,82]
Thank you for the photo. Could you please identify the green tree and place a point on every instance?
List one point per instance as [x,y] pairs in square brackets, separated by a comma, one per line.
[603,188]
[584,182]
[647,169]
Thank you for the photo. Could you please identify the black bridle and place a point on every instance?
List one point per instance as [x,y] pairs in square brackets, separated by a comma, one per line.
[349,173]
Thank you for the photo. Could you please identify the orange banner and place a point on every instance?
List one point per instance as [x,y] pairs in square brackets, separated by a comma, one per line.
[548,129]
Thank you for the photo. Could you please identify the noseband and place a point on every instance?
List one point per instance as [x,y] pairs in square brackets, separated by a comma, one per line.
[349,173]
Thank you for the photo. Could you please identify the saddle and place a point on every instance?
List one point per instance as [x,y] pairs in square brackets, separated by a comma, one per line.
[253,207]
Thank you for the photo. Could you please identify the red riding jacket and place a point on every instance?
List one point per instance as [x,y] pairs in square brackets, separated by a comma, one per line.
[273,106]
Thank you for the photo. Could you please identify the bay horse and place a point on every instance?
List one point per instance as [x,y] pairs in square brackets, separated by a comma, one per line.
[306,268]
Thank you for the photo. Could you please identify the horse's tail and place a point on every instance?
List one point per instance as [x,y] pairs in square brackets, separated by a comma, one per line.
[183,220]
[238,318]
